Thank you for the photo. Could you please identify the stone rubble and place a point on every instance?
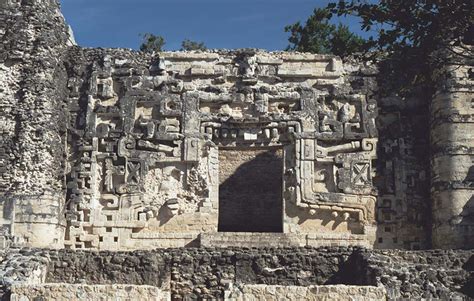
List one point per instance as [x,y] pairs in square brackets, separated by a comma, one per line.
[190,273]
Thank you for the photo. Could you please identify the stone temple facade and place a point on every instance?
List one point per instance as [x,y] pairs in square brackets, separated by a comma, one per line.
[237,175]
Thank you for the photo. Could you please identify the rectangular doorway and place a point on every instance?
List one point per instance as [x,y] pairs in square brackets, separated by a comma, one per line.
[250,190]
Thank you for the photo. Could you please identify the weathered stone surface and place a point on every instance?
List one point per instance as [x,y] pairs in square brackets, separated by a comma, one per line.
[211,272]
[314,293]
[441,274]
[66,291]
[452,158]
[34,40]
[149,134]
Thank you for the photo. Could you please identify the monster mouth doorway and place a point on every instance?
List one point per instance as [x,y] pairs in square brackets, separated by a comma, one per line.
[250,190]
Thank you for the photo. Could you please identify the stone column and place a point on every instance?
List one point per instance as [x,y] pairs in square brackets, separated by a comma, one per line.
[32,122]
[452,159]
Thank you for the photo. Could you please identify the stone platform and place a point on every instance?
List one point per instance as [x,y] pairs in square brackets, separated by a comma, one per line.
[260,240]
[216,273]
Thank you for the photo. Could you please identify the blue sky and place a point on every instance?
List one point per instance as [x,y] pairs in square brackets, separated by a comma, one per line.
[218,23]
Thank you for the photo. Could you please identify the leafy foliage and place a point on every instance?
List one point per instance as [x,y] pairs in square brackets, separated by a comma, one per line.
[416,23]
[152,43]
[317,35]
[412,34]
[189,45]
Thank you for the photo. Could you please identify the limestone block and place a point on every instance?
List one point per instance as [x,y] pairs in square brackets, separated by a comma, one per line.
[330,292]
[66,291]
[448,105]
[242,239]
[452,135]
[452,167]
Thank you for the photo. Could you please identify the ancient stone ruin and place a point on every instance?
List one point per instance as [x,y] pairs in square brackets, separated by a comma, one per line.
[236,175]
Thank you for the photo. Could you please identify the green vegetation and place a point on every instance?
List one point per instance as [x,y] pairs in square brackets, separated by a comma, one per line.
[192,45]
[152,43]
[409,34]
[317,35]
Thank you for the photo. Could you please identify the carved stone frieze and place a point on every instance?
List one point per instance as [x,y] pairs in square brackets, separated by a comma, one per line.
[146,160]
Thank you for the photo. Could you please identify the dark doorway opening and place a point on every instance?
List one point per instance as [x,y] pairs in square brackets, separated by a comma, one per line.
[250,190]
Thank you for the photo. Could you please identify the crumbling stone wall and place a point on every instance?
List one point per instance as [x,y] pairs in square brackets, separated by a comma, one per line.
[34,39]
[441,274]
[209,273]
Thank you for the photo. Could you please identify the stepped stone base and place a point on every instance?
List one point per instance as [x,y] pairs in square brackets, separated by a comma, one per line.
[66,291]
[249,240]
[314,292]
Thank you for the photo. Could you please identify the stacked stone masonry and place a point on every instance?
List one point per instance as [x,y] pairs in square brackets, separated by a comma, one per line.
[452,157]
[219,273]
[118,150]
[63,292]
[288,293]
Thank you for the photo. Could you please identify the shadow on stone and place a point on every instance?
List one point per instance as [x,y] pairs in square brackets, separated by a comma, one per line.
[250,198]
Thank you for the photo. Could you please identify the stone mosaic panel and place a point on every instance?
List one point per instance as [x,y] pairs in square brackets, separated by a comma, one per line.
[145,133]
